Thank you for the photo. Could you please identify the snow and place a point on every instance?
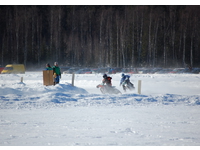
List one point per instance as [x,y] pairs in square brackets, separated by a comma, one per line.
[166,113]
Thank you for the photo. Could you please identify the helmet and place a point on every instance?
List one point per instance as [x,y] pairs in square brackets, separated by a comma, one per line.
[55,63]
[123,75]
[105,76]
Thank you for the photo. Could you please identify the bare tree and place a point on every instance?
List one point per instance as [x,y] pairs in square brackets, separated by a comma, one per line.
[149,57]
[17,22]
[38,41]
[173,31]
[25,36]
[2,50]
[133,41]
[164,42]
[155,42]
[51,29]
[111,39]
[122,30]
[33,30]
[184,39]
[117,40]
[100,40]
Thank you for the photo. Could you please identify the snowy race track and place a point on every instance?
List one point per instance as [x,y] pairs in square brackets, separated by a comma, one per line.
[165,113]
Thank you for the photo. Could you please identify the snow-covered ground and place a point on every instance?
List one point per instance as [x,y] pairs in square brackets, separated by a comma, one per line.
[165,113]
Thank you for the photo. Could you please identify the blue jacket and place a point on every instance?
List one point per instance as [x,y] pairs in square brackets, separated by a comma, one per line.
[126,77]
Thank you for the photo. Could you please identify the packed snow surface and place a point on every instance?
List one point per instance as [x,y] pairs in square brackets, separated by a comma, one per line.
[165,113]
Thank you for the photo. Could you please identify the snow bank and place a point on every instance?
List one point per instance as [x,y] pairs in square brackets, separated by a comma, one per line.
[32,92]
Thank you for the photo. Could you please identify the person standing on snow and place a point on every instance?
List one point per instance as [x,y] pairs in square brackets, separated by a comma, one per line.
[56,73]
[48,67]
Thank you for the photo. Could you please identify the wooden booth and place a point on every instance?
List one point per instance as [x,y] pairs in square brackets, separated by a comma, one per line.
[48,77]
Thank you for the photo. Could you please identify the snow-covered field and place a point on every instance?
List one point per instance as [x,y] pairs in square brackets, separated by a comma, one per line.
[167,111]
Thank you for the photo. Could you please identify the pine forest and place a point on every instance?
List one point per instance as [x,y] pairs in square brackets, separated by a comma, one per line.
[100,35]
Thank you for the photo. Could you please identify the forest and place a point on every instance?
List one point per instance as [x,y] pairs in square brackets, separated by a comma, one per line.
[100,35]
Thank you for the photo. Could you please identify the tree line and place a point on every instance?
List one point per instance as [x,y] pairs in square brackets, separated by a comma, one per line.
[100,36]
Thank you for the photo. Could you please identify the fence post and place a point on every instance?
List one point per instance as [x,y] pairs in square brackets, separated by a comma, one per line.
[73,79]
[21,79]
[139,86]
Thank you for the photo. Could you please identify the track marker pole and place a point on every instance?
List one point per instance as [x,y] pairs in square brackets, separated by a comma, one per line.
[139,86]
[21,79]
[73,79]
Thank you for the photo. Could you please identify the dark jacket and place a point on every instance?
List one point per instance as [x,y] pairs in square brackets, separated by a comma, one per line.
[107,81]
[56,70]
